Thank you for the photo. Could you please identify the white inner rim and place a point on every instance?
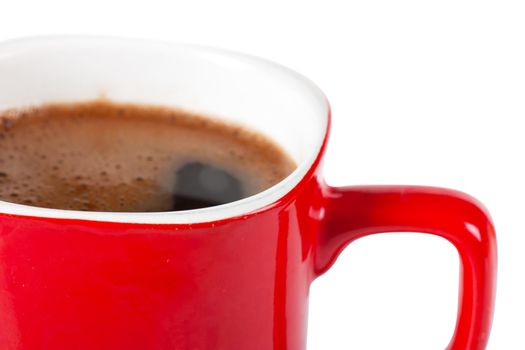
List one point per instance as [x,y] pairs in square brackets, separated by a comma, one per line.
[283,104]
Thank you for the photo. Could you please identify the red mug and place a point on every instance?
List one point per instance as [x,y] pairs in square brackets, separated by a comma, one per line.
[230,277]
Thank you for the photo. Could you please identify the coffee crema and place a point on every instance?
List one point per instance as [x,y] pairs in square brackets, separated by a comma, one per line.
[105,156]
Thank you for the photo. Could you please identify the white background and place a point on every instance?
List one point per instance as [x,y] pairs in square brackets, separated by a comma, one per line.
[423,92]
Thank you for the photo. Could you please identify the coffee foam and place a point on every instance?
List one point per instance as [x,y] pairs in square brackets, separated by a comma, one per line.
[103,156]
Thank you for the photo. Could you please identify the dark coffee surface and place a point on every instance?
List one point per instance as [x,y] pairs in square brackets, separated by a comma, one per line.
[103,156]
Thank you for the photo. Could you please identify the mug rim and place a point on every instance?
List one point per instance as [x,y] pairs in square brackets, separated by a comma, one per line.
[242,207]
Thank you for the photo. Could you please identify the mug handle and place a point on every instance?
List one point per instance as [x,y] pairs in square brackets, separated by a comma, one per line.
[354,212]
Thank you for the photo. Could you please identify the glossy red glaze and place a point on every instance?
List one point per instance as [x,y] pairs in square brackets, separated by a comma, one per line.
[355,212]
[235,284]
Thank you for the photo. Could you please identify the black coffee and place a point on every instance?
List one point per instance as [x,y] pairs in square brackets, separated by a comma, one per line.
[102,156]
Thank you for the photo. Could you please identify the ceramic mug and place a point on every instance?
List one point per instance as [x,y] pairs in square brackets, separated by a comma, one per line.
[230,277]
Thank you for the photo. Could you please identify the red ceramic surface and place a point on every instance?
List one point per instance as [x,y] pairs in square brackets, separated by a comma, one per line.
[240,283]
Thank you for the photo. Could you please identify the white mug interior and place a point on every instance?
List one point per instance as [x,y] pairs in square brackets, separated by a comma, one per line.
[250,91]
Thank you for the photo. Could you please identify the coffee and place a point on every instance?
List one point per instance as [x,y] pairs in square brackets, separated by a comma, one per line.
[104,156]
